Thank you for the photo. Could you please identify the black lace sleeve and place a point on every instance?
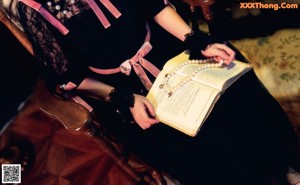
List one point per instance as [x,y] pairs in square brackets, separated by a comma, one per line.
[48,44]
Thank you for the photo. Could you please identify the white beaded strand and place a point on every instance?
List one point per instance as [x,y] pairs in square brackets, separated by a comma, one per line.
[171,90]
[60,7]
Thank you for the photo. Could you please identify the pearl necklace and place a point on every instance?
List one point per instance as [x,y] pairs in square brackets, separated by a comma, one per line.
[204,64]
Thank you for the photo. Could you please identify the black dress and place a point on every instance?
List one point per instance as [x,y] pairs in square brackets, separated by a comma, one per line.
[247,138]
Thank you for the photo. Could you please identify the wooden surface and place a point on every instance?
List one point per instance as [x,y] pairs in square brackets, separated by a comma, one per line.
[61,157]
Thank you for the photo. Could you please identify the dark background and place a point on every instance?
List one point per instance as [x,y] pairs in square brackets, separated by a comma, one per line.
[18,75]
[230,28]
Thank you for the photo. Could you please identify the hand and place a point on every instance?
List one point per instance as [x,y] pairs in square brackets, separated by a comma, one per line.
[219,52]
[143,112]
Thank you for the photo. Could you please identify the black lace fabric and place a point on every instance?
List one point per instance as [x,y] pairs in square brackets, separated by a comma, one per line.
[46,43]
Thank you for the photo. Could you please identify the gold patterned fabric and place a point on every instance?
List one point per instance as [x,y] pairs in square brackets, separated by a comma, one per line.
[276,61]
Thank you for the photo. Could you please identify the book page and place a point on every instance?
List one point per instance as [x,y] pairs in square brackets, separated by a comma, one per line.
[217,77]
[184,101]
[187,108]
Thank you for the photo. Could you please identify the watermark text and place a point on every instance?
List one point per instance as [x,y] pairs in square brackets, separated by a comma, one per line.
[260,5]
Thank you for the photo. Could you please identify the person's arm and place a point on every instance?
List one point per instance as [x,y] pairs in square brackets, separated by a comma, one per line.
[95,89]
[174,24]
[142,110]
[169,19]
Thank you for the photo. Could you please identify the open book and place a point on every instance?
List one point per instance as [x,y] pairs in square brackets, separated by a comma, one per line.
[187,108]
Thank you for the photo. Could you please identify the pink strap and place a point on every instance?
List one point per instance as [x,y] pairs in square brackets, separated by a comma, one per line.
[105,71]
[99,13]
[112,9]
[38,7]
[148,36]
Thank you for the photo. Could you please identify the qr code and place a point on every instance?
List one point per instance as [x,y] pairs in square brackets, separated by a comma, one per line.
[11,173]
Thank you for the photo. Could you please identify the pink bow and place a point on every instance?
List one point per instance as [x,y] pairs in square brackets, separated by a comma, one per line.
[137,62]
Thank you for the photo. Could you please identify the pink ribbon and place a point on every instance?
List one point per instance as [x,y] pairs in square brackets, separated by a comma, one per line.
[112,9]
[38,7]
[138,62]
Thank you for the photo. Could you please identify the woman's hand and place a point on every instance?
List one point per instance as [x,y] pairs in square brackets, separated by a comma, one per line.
[219,52]
[143,112]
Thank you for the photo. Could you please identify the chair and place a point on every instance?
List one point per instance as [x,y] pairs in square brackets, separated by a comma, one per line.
[199,9]
[77,116]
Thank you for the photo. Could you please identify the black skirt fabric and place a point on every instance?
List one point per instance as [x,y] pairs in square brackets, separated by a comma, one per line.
[246,139]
